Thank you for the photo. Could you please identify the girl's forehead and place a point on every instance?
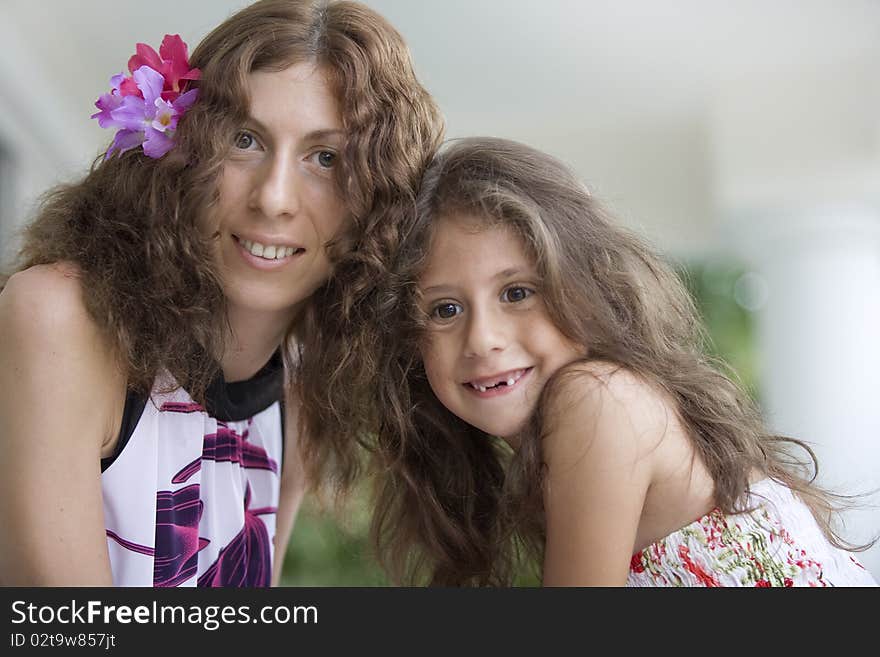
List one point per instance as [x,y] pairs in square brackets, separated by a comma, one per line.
[460,227]
[466,222]
[463,243]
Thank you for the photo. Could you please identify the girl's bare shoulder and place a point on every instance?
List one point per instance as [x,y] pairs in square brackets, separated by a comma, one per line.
[604,386]
[599,403]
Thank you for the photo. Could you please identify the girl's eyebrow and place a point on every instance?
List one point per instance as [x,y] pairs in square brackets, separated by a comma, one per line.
[504,273]
[434,288]
[507,273]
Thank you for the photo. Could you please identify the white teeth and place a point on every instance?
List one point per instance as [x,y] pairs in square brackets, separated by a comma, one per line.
[271,252]
[511,380]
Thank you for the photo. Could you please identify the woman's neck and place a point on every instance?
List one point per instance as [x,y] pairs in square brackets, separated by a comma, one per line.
[251,341]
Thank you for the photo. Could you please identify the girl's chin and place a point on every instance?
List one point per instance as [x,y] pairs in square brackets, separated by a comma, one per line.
[507,432]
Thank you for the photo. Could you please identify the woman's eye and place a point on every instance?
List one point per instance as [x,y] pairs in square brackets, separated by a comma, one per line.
[514,294]
[244,140]
[446,311]
[326,159]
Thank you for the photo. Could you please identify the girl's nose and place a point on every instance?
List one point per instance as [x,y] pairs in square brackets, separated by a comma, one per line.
[486,332]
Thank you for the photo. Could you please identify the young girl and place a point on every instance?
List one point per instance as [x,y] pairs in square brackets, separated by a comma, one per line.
[147,434]
[515,309]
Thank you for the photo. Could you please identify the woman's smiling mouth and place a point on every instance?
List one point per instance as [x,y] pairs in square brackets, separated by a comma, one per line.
[266,256]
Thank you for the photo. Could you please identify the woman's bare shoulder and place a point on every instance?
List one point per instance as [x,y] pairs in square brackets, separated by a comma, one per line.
[58,282]
[45,303]
[46,324]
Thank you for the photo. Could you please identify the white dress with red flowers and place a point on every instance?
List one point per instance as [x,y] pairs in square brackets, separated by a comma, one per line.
[778,543]
[191,494]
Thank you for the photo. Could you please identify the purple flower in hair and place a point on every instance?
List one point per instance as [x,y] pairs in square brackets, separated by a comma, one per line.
[147,106]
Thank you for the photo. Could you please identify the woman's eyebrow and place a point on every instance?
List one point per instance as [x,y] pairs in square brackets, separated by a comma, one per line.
[314,135]
[324,133]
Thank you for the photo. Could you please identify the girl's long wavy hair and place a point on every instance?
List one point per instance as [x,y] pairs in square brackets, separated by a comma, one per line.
[131,226]
[453,505]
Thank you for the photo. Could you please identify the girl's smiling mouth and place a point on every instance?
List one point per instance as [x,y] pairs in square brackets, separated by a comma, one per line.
[497,384]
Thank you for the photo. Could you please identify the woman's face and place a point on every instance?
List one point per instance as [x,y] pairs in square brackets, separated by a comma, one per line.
[278,203]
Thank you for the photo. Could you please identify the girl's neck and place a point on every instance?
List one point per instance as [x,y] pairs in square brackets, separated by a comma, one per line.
[251,341]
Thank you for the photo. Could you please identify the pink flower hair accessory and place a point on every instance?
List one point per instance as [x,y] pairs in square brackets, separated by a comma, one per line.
[146,105]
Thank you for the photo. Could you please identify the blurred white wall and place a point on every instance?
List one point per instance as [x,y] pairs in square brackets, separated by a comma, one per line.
[748,130]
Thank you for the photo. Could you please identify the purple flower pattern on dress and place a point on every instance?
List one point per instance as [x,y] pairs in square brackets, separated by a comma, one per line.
[177,535]
[247,559]
[181,407]
[128,545]
[228,445]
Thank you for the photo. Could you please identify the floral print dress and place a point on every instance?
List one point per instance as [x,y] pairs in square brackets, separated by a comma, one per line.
[778,543]
[190,495]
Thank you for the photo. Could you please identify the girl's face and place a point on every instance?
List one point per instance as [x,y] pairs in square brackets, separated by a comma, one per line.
[490,346]
[278,202]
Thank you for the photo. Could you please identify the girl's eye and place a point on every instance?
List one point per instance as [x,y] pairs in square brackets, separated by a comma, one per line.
[446,311]
[244,140]
[516,293]
[325,159]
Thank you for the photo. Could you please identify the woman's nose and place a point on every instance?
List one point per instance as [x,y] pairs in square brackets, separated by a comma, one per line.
[276,192]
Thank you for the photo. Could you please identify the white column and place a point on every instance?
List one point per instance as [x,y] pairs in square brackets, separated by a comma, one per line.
[797,186]
[819,345]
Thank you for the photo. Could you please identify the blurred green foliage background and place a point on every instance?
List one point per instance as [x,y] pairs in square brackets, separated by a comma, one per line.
[332,548]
